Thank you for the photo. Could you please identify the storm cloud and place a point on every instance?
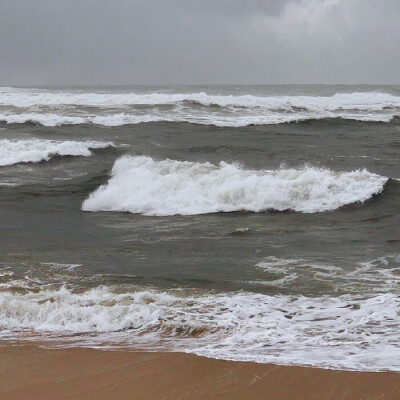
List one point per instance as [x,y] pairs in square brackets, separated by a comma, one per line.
[196,42]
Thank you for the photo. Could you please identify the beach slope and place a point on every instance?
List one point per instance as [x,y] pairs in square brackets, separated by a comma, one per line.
[31,372]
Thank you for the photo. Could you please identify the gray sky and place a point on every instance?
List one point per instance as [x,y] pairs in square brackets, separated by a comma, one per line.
[199,41]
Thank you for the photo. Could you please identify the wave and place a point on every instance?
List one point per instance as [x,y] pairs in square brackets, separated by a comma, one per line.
[52,108]
[343,332]
[51,120]
[37,150]
[121,119]
[40,97]
[160,188]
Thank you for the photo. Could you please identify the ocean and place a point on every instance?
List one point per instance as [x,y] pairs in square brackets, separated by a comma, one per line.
[248,223]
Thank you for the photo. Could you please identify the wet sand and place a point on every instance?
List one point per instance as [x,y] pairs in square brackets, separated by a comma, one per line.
[31,372]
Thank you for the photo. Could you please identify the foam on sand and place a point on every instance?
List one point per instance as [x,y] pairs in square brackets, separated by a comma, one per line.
[37,150]
[159,188]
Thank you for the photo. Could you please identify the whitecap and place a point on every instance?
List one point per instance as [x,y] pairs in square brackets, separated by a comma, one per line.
[37,150]
[159,188]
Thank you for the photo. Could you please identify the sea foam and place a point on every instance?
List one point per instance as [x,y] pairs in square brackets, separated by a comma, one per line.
[345,332]
[159,188]
[37,150]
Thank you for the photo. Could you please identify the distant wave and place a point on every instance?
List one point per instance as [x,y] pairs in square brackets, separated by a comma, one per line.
[47,119]
[52,120]
[52,107]
[35,97]
[143,185]
[37,150]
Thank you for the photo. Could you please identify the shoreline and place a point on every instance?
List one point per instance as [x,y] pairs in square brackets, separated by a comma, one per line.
[31,372]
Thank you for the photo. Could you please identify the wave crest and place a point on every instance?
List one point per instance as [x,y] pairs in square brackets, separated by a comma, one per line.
[37,150]
[159,188]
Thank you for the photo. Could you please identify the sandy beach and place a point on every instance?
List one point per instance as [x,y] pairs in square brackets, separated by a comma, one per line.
[31,372]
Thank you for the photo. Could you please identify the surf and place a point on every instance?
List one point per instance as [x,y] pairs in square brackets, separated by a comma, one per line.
[159,188]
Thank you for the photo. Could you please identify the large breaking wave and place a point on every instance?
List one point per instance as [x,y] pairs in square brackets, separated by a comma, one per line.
[57,107]
[143,185]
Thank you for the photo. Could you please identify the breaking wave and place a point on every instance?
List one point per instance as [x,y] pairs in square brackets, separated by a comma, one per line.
[52,107]
[343,332]
[37,150]
[160,188]
[40,97]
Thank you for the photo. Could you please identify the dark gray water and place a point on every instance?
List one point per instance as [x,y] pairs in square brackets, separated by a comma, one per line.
[346,255]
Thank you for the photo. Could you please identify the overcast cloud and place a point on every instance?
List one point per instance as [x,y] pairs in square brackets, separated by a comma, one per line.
[199,41]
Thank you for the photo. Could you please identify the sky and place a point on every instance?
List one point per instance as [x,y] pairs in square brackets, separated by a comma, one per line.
[94,42]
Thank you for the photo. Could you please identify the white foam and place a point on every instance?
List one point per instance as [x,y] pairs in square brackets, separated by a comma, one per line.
[344,332]
[52,119]
[233,120]
[36,150]
[52,107]
[143,185]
